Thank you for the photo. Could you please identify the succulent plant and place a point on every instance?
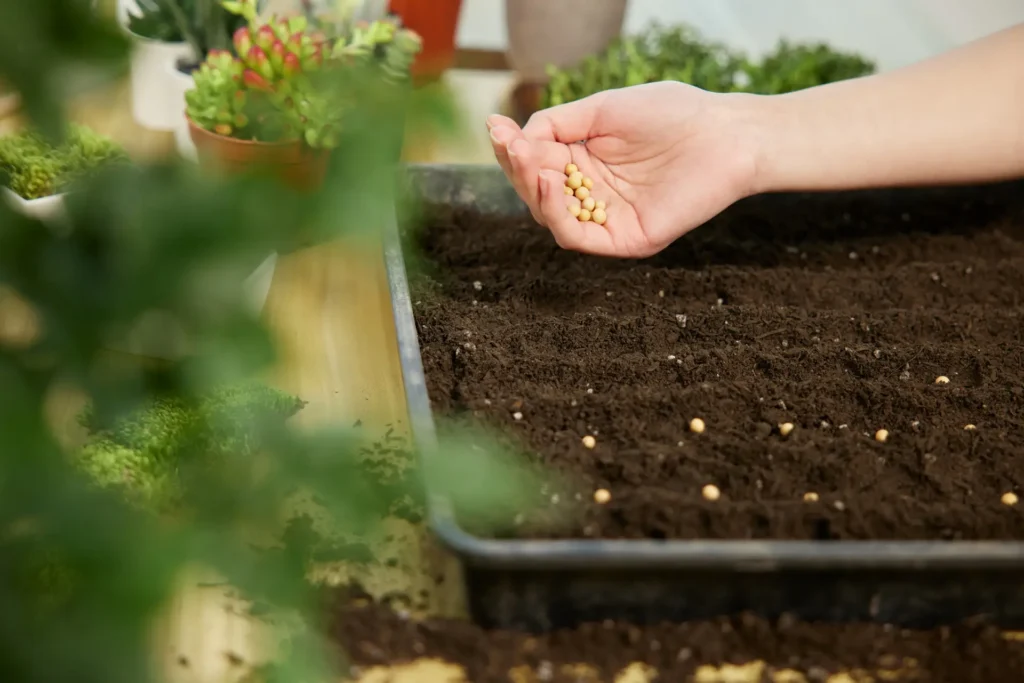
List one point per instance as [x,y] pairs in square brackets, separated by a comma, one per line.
[272,89]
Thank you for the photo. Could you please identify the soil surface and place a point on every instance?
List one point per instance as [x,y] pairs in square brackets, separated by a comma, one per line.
[835,314]
[742,649]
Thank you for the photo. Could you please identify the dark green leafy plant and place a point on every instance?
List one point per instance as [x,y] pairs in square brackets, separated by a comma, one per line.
[204,24]
[33,167]
[680,53]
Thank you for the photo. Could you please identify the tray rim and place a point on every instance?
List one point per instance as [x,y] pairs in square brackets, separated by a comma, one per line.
[738,555]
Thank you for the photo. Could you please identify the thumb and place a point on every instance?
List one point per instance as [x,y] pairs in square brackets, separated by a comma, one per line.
[566,123]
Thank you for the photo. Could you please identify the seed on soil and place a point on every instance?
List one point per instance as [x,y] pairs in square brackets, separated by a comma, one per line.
[970,428]
[571,168]
[602,496]
[697,425]
[810,497]
[582,193]
[942,379]
[882,435]
[588,183]
[785,428]
[584,216]
[599,216]
[711,492]
[589,204]
[575,180]
[589,441]
[568,191]
[575,210]
[1010,498]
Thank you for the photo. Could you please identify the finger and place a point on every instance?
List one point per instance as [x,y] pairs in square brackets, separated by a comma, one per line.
[495,120]
[501,137]
[566,123]
[528,160]
[570,233]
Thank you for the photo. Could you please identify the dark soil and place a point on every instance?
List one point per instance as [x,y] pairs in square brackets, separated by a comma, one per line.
[833,313]
[373,635]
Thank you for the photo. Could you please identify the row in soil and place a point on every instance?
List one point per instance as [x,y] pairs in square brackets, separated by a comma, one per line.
[834,314]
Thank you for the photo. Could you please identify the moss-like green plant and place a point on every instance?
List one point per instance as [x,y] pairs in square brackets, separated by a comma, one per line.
[680,53]
[33,168]
[141,454]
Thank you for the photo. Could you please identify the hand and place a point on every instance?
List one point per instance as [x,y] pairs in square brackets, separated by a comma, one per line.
[665,157]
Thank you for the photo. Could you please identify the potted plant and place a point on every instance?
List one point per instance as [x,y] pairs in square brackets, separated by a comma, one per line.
[560,34]
[172,37]
[273,103]
[35,175]
[436,22]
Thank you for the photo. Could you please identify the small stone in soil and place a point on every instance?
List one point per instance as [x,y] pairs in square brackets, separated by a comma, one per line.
[839,505]
[478,286]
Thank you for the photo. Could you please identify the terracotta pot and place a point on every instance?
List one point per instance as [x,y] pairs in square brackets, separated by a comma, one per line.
[436,21]
[292,162]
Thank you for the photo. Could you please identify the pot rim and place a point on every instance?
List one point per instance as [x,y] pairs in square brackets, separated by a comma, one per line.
[237,141]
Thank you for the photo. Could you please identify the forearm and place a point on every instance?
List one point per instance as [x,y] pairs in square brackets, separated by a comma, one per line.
[955,118]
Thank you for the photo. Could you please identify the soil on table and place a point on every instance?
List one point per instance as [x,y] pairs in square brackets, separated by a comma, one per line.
[835,314]
[757,650]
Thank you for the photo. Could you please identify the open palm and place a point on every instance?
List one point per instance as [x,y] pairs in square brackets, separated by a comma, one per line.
[665,157]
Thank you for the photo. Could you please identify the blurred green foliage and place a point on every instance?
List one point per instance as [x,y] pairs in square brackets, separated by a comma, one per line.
[680,53]
[34,168]
[85,568]
[204,24]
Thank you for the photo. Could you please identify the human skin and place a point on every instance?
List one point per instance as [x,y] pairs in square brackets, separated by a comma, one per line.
[666,157]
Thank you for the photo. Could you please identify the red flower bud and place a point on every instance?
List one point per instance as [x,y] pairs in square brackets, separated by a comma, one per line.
[294,44]
[243,41]
[265,37]
[277,54]
[291,65]
[256,82]
[257,59]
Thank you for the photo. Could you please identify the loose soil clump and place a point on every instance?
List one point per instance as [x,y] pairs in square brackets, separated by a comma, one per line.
[833,315]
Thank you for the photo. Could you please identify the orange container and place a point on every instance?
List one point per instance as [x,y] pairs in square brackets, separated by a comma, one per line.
[436,21]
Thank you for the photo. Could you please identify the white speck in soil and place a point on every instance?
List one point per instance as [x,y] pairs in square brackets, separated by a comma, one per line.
[839,505]
[661,293]
[590,391]
[517,416]
[853,256]
[545,671]
[875,250]
[825,424]
[877,353]
[915,424]
[905,375]
[684,654]
[555,499]
[968,271]
[680,444]
[759,484]
[572,402]
[608,294]
[934,277]
[487,401]
[478,286]
[671,357]
[474,302]
[681,319]
[785,344]
[792,250]
[719,302]
[470,346]
[842,426]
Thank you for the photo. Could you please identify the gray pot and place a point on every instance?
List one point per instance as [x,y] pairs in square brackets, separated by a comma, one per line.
[558,32]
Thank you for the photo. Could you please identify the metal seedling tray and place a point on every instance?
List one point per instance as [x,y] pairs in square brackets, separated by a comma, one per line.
[539,585]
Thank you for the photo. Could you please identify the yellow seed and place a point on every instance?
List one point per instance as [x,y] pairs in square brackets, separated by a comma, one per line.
[584,216]
[882,435]
[589,204]
[785,428]
[574,209]
[1010,498]
[599,215]
[582,193]
[970,427]
[568,191]
[575,181]
[588,183]
[711,492]
[602,496]
[810,497]
[570,169]
[697,425]
[942,379]
[601,204]
[589,441]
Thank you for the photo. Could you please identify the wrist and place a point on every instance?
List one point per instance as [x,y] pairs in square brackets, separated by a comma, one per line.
[755,126]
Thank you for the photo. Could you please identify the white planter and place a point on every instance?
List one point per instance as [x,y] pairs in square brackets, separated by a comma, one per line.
[181,83]
[49,209]
[154,92]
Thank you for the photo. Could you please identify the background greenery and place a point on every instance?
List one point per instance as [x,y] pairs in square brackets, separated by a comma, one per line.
[178,472]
